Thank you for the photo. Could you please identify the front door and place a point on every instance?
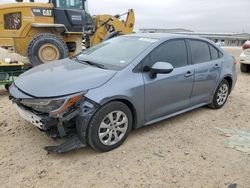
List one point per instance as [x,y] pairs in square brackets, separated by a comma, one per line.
[168,93]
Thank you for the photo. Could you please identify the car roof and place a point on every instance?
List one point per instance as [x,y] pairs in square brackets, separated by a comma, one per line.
[167,36]
[164,36]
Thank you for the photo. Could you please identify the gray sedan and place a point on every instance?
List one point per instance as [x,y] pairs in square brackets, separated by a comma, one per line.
[124,83]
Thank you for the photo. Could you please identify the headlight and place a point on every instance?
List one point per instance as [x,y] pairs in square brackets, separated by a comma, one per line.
[51,106]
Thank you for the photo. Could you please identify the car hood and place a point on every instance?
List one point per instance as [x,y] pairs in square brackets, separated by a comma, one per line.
[63,77]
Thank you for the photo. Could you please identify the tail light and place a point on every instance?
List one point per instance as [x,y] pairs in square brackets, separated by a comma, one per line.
[246,45]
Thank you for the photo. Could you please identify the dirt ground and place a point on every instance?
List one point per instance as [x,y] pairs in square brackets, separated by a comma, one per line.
[184,151]
[5,54]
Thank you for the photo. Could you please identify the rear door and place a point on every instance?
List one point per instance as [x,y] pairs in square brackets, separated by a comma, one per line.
[168,93]
[207,62]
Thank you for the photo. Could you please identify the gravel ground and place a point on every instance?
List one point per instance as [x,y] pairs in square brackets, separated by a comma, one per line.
[184,151]
[5,54]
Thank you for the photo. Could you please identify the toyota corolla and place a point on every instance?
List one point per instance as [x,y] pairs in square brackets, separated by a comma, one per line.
[124,83]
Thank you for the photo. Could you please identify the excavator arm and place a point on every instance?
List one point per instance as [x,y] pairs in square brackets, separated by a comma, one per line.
[107,24]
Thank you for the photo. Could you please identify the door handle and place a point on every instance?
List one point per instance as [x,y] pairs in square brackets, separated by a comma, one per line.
[188,74]
[216,66]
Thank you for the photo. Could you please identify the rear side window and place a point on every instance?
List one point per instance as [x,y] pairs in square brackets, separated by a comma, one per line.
[220,54]
[215,53]
[173,51]
[199,51]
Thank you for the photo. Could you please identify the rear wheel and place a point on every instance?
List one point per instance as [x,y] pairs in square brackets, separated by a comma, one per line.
[243,67]
[46,47]
[221,95]
[110,126]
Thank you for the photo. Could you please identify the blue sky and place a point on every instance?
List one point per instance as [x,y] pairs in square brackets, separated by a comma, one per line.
[197,15]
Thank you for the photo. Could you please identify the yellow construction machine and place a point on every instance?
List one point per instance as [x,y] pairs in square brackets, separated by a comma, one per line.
[55,30]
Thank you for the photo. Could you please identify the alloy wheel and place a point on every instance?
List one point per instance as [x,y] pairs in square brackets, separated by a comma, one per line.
[222,94]
[113,128]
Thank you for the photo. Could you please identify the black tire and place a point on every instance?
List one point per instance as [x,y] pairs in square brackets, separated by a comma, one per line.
[7,86]
[244,67]
[94,125]
[215,104]
[43,39]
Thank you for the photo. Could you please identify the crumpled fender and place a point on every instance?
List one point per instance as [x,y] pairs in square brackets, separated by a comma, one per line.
[87,110]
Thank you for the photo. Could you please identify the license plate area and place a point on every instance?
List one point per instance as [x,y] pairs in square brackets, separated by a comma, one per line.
[30,117]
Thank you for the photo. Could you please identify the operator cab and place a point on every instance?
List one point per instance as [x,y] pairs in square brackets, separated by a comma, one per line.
[72,14]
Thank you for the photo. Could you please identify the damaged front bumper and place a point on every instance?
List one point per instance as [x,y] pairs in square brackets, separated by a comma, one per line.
[30,117]
[71,125]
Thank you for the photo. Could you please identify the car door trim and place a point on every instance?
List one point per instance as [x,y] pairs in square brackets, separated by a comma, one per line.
[174,114]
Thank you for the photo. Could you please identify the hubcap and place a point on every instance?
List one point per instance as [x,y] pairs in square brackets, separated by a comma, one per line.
[48,52]
[113,128]
[222,94]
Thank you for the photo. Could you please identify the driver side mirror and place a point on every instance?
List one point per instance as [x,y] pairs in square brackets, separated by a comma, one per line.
[160,68]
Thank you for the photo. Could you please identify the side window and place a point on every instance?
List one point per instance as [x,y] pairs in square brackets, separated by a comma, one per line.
[220,54]
[214,52]
[199,51]
[71,4]
[12,21]
[173,51]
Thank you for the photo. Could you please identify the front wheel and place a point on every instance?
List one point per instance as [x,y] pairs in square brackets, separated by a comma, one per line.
[221,95]
[110,126]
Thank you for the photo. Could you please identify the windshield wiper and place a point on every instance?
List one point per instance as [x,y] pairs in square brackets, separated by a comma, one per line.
[91,63]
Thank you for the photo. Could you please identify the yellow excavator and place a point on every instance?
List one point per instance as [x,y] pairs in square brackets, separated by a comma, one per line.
[55,30]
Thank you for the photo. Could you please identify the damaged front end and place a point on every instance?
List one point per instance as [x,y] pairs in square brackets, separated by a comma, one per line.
[64,117]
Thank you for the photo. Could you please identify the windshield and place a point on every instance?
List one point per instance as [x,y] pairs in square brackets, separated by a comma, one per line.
[71,4]
[116,53]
